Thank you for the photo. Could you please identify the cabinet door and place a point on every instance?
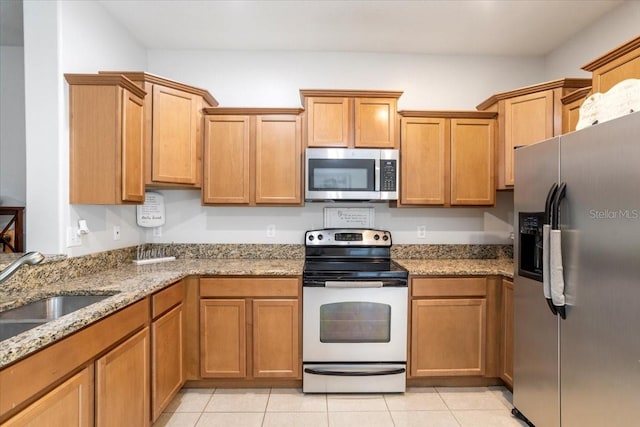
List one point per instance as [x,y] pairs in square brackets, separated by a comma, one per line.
[167,373]
[174,136]
[472,162]
[278,173]
[122,383]
[571,115]
[328,122]
[68,405]
[223,343]
[424,153]
[375,123]
[528,119]
[506,356]
[132,148]
[226,160]
[276,350]
[448,337]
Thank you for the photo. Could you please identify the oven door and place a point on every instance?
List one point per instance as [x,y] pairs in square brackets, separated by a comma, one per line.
[354,324]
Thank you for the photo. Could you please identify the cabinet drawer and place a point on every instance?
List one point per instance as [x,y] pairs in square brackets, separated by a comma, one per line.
[249,287]
[165,299]
[448,286]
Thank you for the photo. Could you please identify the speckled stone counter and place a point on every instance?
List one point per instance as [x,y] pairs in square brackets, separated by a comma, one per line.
[458,267]
[129,283]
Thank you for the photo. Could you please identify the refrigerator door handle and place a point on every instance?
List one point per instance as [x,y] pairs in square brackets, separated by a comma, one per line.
[556,269]
[546,281]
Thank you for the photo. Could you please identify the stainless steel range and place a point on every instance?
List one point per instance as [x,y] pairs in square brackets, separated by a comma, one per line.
[354,313]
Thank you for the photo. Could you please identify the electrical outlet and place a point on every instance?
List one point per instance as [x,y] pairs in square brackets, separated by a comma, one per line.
[116,232]
[73,239]
[157,231]
[422,232]
[271,230]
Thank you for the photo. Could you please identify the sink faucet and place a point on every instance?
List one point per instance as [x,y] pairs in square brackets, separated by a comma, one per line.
[30,258]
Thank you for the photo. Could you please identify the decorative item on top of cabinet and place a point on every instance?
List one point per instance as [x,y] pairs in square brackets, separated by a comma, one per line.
[252,156]
[571,108]
[106,149]
[525,116]
[447,158]
[350,118]
[173,130]
[615,66]
[250,329]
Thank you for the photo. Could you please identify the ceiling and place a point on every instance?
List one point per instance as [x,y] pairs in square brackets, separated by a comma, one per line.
[480,27]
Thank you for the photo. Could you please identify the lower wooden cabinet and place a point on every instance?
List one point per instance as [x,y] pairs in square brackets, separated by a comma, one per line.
[122,383]
[506,341]
[448,327]
[249,328]
[68,405]
[167,346]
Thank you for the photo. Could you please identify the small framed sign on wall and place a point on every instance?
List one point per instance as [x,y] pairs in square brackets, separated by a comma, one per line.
[152,212]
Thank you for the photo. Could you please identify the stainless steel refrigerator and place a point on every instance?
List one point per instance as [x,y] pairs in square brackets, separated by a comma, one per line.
[577,354]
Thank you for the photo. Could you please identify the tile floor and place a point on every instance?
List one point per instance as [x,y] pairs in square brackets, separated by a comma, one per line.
[423,406]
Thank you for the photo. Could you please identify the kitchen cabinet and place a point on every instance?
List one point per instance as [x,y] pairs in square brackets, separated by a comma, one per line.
[173,130]
[70,354]
[448,327]
[350,119]
[447,158]
[69,404]
[506,342]
[617,65]
[252,156]
[571,104]
[106,153]
[250,328]
[525,116]
[122,383]
[167,346]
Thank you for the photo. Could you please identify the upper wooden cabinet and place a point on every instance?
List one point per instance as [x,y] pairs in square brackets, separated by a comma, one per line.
[252,156]
[350,119]
[616,65]
[525,116]
[571,104]
[106,150]
[447,158]
[173,130]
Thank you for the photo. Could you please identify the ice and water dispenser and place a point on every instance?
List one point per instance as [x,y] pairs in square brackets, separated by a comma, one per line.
[530,256]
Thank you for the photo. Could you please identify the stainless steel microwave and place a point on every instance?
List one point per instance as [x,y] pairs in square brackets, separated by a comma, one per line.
[351,174]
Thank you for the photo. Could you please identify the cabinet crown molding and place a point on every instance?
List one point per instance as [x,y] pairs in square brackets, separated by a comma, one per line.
[575,95]
[613,54]
[105,80]
[250,110]
[343,93]
[143,76]
[449,114]
[553,84]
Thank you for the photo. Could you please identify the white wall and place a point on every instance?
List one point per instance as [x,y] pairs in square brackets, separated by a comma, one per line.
[12,148]
[68,37]
[615,28]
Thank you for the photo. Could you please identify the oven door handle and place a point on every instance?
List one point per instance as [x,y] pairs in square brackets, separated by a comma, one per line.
[352,284]
[354,373]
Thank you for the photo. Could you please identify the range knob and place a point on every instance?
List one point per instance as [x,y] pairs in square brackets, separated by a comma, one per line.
[320,237]
[311,237]
[385,237]
[376,237]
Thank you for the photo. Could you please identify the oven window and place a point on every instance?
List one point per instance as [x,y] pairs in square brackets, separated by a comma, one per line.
[355,322]
[342,175]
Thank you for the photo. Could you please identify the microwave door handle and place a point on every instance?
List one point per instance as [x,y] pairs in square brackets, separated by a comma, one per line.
[376,175]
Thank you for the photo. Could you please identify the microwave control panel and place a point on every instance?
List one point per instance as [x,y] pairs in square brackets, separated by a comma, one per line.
[388,174]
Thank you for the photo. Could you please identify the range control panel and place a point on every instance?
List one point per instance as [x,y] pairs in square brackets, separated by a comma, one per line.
[347,237]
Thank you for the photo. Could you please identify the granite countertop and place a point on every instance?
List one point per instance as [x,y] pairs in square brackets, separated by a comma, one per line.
[131,283]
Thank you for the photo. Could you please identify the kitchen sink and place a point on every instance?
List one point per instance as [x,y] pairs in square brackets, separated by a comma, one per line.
[11,328]
[20,319]
[51,308]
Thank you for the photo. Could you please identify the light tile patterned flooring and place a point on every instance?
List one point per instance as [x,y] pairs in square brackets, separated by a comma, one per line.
[423,406]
